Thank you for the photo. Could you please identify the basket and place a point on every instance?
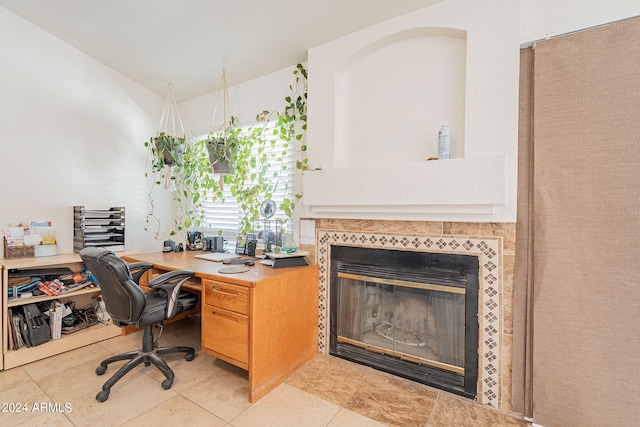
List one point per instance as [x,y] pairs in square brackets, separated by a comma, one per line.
[18,251]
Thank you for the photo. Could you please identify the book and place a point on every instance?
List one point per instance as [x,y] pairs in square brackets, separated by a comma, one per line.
[18,342]
[296,254]
[283,260]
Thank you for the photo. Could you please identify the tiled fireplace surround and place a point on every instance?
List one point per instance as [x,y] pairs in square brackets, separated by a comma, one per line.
[493,243]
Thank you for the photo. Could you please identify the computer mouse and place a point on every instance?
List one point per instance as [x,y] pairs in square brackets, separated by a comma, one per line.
[249,262]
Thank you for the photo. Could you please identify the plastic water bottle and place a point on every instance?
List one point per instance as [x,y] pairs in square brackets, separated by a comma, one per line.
[444,142]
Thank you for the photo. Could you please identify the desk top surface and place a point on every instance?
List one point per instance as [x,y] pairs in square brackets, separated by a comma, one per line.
[209,269]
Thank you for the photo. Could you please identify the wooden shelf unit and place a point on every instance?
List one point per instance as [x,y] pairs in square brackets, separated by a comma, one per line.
[12,358]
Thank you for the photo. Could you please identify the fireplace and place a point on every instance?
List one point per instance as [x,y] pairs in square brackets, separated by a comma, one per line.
[412,314]
[488,249]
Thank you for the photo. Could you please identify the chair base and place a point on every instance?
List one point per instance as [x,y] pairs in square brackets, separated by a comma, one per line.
[148,355]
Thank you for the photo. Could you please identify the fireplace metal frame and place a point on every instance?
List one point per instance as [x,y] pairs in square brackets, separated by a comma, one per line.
[435,268]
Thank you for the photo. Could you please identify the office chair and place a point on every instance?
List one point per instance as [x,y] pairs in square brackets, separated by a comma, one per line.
[129,305]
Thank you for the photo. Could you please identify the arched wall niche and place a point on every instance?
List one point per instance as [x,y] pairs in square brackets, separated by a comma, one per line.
[372,124]
[393,95]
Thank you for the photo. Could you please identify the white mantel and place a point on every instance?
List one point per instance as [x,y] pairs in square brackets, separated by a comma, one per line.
[467,186]
[456,62]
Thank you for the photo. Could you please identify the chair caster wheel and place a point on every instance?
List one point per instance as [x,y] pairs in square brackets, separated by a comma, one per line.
[166,384]
[102,396]
[190,356]
[101,370]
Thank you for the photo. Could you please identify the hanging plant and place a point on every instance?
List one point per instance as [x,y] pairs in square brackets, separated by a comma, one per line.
[291,126]
[222,146]
[177,166]
[257,161]
[168,150]
[253,181]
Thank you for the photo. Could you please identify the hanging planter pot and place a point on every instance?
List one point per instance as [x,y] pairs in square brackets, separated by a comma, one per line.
[220,155]
[169,150]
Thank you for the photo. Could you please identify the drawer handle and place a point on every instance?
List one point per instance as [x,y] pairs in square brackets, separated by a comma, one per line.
[224,316]
[233,294]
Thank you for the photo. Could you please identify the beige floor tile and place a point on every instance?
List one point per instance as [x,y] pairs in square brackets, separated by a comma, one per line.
[49,419]
[287,406]
[132,396]
[13,378]
[177,411]
[328,377]
[62,362]
[450,411]
[187,374]
[22,404]
[393,401]
[347,418]
[225,393]
[77,381]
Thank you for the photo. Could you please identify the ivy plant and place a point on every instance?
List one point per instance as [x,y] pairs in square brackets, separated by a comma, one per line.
[250,180]
[190,179]
[166,150]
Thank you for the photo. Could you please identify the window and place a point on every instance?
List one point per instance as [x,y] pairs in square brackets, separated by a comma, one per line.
[227,216]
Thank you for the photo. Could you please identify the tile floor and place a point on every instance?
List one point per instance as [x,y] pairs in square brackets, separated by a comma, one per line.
[327,391]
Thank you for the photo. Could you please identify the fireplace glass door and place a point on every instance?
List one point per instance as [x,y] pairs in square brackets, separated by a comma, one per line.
[412,321]
[409,313]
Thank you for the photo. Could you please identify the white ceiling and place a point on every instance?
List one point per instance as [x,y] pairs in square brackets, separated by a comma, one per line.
[189,42]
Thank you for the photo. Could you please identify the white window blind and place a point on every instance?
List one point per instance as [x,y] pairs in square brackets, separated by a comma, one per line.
[226,216]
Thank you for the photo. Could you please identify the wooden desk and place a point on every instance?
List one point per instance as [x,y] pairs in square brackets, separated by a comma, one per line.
[264,320]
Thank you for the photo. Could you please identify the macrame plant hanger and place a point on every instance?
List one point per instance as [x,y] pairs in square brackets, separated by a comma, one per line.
[222,90]
[225,105]
[170,116]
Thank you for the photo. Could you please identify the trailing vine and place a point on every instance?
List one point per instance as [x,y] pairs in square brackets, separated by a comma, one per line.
[251,180]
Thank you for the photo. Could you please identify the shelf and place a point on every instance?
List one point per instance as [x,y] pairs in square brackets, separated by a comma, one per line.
[13,358]
[22,301]
[35,262]
[466,185]
[78,339]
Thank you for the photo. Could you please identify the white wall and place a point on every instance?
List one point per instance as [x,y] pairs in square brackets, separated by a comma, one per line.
[72,132]
[246,100]
[540,19]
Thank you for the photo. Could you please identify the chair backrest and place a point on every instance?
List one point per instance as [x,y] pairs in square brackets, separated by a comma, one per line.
[123,298]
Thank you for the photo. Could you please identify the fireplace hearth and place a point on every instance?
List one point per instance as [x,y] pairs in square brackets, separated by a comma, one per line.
[412,314]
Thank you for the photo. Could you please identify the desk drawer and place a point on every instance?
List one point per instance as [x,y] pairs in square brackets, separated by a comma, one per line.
[229,297]
[226,332]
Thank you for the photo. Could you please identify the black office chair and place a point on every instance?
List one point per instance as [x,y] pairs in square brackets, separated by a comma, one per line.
[129,305]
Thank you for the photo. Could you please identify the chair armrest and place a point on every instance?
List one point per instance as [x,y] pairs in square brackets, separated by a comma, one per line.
[137,269]
[170,283]
[170,277]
